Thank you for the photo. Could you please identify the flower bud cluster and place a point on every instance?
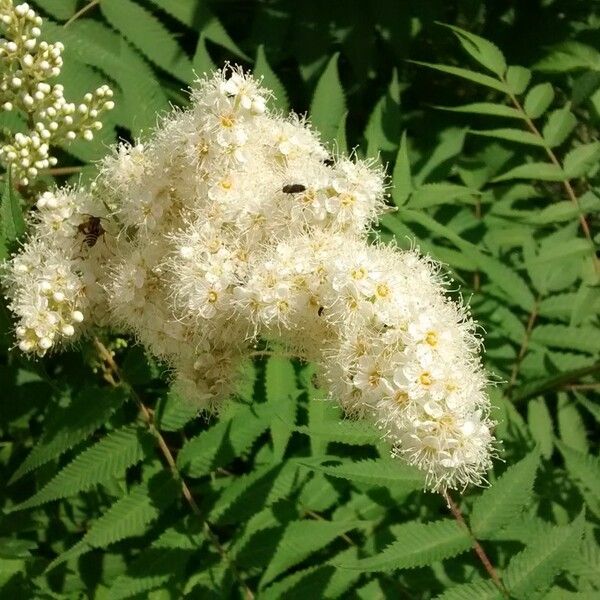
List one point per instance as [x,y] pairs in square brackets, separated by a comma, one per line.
[26,63]
[54,281]
[232,225]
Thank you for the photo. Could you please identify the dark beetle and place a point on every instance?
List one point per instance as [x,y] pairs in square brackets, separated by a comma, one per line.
[293,188]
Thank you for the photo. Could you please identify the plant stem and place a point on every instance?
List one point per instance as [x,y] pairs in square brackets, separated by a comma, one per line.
[82,11]
[566,183]
[477,547]
[113,376]
[524,345]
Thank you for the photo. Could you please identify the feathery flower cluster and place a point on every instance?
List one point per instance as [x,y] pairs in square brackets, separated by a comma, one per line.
[232,224]
[25,66]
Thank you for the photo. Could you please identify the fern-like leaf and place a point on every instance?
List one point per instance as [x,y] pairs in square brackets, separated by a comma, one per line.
[381,471]
[149,35]
[108,458]
[416,545]
[535,567]
[68,426]
[506,498]
[127,517]
[300,539]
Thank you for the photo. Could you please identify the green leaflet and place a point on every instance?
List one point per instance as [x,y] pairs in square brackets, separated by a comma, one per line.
[328,103]
[540,171]
[579,160]
[570,56]
[108,458]
[164,560]
[482,590]
[511,135]
[127,517]
[173,412]
[485,108]
[482,50]
[382,471]
[571,428]
[416,545]
[433,194]
[538,100]
[559,126]
[12,223]
[68,426]
[540,425]
[473,76]
[343,431]
[60,9]
[264,486]
[401,176]
[300,539]
[517,79]
[501,503]
[223,441]
[148,34]
[585,472]
[562,336]
[281,393]
[535,568]
[383,127]
[270,80]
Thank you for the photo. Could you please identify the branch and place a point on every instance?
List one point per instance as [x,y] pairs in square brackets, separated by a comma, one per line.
[112,374]
[524,345]
[566,182]
[477,547]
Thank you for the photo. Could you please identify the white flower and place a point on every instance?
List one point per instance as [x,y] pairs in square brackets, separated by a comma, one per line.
[230,225]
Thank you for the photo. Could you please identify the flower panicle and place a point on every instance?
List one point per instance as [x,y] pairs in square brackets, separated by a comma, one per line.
[232,225]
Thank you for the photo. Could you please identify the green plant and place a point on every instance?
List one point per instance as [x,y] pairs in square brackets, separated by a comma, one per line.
[125,493]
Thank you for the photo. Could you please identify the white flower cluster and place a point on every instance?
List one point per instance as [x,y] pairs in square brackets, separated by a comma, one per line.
[233,224]
[25,66]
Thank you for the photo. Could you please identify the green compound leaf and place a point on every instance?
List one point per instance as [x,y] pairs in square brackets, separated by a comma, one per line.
[302,538]
[68,426]
[483,51]
[505,499]
[149,35]
[538,100]
[535,568]
[329,103]
[108,458]
[416,545]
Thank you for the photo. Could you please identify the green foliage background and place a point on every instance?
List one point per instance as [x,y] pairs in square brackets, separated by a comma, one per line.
[289,500]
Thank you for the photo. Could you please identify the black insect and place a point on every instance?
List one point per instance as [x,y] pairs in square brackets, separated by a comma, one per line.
[321,310]
[328,162]
[293,188]
[92,230]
